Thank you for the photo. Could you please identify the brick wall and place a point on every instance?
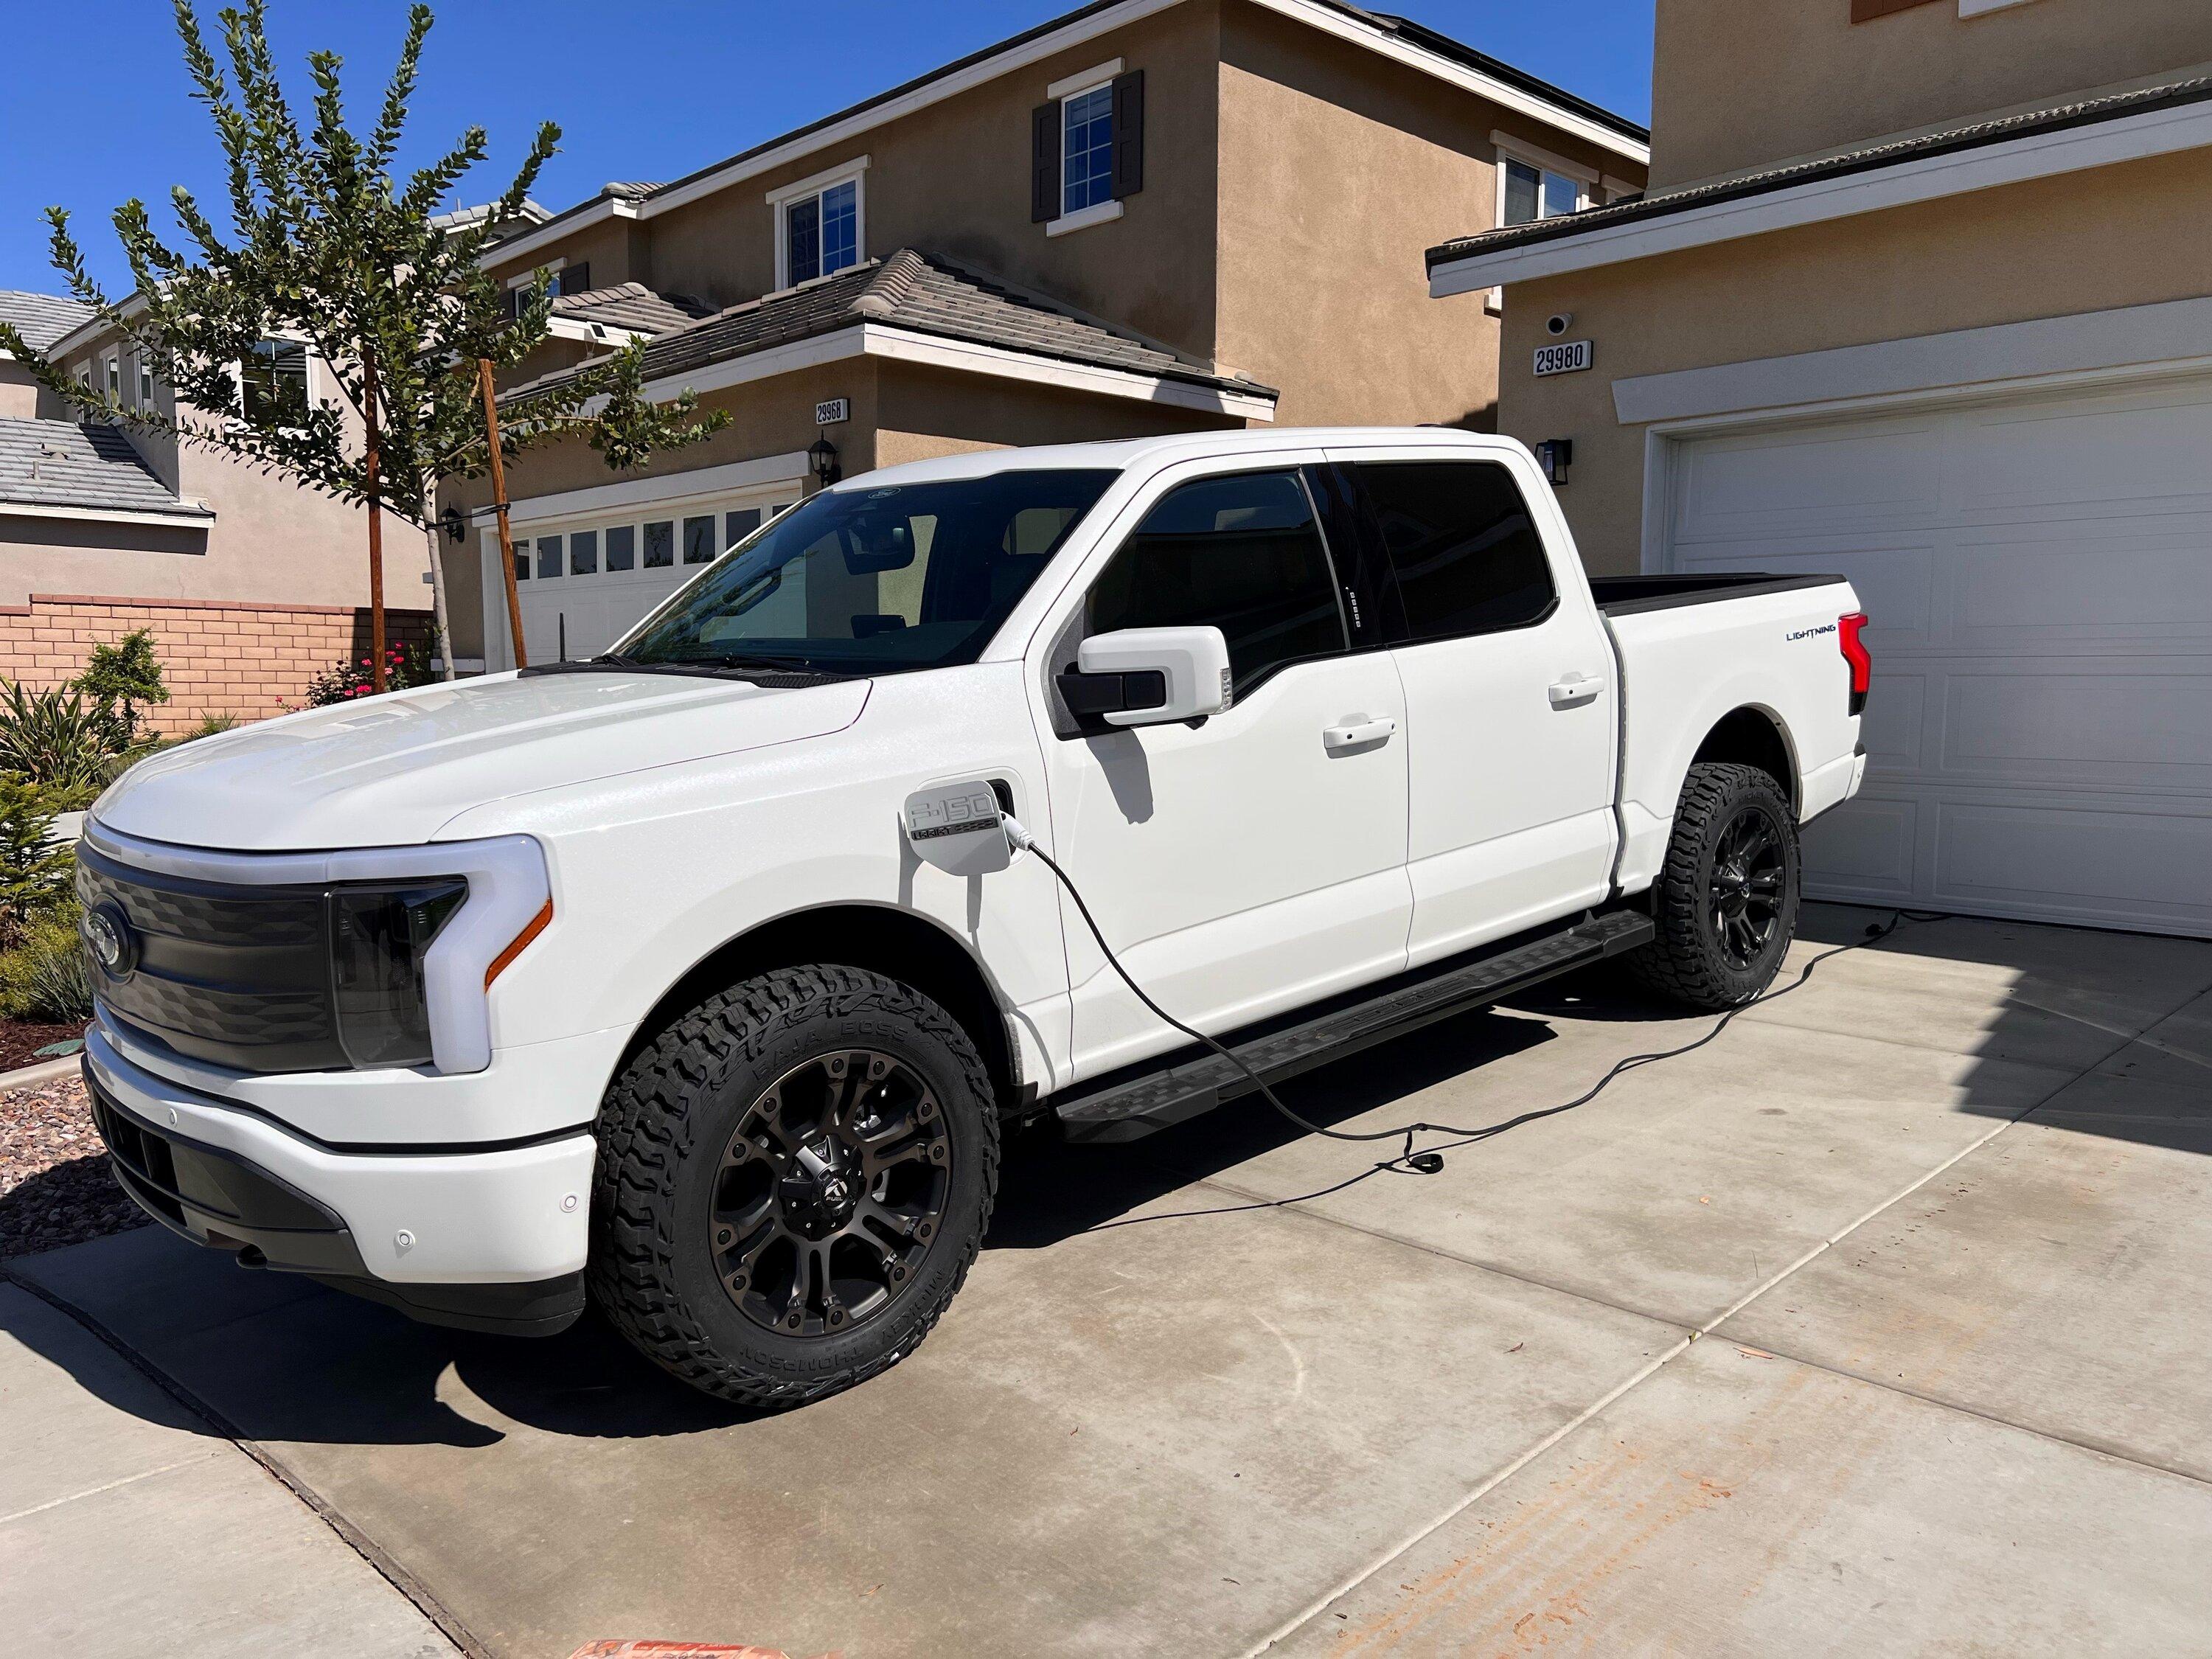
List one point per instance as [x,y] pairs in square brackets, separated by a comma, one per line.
[249,662]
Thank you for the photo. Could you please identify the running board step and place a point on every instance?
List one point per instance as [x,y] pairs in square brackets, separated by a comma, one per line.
[1131,1108]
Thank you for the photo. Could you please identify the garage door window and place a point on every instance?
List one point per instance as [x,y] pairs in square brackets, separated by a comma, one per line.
[659,544]
[699,546]
[584,553]
[622,547]
[549,557]
[1462,544]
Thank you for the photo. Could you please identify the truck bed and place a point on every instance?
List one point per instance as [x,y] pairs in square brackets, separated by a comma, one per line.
[1626,596]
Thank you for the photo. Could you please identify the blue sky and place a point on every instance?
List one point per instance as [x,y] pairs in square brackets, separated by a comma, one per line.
[641,90]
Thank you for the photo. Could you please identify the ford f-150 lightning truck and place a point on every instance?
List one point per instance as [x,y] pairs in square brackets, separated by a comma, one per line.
[652,978]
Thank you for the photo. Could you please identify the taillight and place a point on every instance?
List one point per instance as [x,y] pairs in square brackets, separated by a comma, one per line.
[1855,652]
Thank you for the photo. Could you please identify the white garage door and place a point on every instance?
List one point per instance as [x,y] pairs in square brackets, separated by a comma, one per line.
[584,581]
[2038,572]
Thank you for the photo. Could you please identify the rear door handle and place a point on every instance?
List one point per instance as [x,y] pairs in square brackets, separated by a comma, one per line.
[1354,733]
[1574,688]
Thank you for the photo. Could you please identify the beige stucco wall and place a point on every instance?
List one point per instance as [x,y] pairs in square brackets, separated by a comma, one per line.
[954,178]
[1338,168]
[19,393]
[2136,235]
[927,413]
[1737,83]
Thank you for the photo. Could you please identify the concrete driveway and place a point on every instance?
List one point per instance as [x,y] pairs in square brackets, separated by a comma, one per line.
[1878,1325]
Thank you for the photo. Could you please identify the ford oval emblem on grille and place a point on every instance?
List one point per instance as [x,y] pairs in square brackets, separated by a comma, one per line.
[108,935]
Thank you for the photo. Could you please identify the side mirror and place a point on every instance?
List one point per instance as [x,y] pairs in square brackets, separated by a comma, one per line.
[1149,676]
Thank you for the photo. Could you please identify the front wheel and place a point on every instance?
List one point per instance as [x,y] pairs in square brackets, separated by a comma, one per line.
[794,1179]
[1726,902]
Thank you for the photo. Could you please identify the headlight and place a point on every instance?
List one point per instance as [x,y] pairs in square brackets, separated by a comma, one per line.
[379,938]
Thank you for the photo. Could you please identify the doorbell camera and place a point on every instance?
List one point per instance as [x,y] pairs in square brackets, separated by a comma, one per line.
[1560,322]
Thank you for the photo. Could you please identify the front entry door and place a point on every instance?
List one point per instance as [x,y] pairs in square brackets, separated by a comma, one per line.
[1255,861]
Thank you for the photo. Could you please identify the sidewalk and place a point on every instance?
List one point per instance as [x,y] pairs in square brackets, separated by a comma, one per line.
[126,1520]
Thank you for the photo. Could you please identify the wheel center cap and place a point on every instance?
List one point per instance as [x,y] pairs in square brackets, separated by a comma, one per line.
[818,1190]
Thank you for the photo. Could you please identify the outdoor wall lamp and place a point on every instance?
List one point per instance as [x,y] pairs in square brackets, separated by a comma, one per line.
[455,523]
[822,456]
[1555,456]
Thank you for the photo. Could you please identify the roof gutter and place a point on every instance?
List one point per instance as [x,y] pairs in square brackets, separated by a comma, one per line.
[939,352]
[1631,235]
[183,519]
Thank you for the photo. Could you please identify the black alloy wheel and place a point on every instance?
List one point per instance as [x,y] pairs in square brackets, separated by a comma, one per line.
[828,1192]
[1749,866]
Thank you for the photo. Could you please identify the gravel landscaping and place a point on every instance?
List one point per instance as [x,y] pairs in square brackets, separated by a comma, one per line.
[55,1186]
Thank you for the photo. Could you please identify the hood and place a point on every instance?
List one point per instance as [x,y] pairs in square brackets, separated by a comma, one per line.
[392,770]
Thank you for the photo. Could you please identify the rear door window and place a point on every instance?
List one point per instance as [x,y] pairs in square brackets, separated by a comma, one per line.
[1464,548]
[1243,554]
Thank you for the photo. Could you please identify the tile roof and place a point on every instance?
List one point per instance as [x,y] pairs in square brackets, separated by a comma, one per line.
[631,306]
[42,318]
[61,463]
[928,294]
[1868,159]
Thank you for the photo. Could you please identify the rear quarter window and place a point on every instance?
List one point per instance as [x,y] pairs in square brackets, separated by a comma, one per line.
[1464,548]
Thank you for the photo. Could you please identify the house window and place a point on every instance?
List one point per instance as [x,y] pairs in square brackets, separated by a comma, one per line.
[273,379]
[1533,193]
[622,547]
[1087,147]
[659,544]
[699,544]
[584,553]
[145,382]
[821,232]
[565,279]
[112,368]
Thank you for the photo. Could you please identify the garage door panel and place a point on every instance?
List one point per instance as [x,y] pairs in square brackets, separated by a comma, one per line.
[1865,849]
[1818,482]
[2086,592]
[2098,723]
[2038,575]
[2094,457]
[2078,863]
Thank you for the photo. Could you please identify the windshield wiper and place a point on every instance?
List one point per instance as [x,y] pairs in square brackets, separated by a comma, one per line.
[712,668]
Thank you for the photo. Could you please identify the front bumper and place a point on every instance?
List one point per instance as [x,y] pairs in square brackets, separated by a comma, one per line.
[488,1239]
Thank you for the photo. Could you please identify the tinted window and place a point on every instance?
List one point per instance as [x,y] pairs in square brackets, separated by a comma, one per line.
[548,556]
[622,547]
[875,580]
[659,543]
[584,553]
[1241,553]
[699,540]
[736,526]
[1467,555]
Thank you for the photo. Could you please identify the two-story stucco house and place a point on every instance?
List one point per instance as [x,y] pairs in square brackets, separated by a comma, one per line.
[1922,292]
[250,582]
[1145,216]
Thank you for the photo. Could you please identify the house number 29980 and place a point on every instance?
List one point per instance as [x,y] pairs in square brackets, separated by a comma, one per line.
[1568,357]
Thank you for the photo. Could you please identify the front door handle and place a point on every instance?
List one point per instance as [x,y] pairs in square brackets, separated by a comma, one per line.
[1574,689]
[1358,733]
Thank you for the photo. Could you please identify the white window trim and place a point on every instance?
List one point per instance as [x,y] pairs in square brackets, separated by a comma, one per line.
[111,373]
[549,266]
[780,198]
[1098,213]
[143,382]
[1075,85]
[1927,178]
[1069,86]
[1521,150]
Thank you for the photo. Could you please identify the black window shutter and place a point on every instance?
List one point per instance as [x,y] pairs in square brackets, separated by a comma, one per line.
[1128,133]
[1044,163]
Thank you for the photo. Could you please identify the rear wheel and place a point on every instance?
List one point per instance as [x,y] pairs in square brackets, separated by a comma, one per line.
[794,1179]
[1726,902]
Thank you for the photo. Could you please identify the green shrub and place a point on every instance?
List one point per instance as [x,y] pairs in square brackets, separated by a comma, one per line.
[117,678]
[45,977]
[56,740]
[35,873]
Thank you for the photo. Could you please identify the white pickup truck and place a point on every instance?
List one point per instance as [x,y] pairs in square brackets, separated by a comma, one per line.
[669,977]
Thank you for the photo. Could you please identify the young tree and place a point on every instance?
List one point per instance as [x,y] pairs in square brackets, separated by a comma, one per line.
[330,247]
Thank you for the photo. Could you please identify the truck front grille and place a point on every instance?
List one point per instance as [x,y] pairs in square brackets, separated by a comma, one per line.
[235,975]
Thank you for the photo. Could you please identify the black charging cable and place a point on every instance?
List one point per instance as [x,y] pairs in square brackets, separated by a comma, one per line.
[1428,1160]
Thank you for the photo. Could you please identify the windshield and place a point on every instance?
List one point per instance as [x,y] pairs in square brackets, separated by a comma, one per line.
[873,581]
